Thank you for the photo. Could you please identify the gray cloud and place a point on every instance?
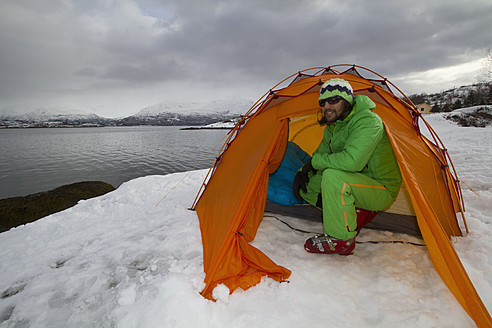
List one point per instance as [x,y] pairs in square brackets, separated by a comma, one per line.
[146,72]
[150,50]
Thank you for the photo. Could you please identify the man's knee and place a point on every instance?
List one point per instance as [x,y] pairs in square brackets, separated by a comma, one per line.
[330,173]
[332,178]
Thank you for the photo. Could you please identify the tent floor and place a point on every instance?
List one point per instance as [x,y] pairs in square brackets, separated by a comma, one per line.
[382,221]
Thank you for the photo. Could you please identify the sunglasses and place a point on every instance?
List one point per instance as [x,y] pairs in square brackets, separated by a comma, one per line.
[332,101]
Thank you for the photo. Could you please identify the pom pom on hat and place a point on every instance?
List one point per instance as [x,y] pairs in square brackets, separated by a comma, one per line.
[337,87]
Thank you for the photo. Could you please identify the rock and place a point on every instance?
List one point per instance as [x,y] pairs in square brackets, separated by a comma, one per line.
[16,211]
[480,117]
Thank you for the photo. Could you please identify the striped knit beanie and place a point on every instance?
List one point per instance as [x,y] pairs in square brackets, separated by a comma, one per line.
[337,87]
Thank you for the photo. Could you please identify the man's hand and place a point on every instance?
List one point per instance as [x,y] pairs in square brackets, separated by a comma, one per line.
[308,167]
[301,179]
[298,185]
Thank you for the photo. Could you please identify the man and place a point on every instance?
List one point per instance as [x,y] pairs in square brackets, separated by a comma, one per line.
[353,167]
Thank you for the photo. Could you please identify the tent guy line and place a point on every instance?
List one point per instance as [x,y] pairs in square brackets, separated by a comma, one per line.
[358,242]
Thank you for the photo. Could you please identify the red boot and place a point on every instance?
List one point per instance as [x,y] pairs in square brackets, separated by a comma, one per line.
[325,244]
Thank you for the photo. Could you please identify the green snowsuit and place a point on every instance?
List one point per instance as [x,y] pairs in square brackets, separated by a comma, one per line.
[355,167]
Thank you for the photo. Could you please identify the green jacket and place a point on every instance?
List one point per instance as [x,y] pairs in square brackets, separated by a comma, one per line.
[360,144]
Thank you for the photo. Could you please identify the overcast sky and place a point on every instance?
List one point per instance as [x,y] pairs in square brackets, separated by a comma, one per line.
[119,56]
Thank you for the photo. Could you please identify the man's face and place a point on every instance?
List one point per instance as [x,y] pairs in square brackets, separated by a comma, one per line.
[332,108]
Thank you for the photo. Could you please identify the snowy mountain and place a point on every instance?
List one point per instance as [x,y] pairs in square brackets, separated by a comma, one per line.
[162,114]
[50,116]
[194,113]
[47,112]
[232,107]
[176,119]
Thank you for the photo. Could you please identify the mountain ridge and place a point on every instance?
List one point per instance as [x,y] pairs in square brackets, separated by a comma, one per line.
[161,114]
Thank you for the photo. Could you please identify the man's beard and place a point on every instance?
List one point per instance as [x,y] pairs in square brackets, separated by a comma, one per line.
[343,115]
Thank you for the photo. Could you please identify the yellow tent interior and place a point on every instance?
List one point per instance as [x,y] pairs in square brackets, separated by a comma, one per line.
[231,202]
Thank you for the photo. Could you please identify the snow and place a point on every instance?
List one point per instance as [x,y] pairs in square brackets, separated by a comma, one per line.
[228,124]
[46,112]
[133,258]
[234,106]
[487,109]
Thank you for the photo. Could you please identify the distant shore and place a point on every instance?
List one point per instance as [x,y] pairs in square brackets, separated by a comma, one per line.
[104,126]
[207,128]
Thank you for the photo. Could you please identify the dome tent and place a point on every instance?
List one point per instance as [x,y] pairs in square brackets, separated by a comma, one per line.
[232,200]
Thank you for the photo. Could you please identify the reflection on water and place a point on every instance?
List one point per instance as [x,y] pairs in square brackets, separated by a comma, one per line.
[34,160]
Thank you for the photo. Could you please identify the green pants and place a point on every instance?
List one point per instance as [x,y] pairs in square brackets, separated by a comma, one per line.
[341,192]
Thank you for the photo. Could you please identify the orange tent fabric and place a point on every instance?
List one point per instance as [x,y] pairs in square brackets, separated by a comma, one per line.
[232,200]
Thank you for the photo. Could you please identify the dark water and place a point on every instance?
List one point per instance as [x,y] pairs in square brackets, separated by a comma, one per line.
[34,160]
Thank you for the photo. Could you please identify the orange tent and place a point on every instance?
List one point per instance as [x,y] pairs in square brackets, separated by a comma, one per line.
[231,202]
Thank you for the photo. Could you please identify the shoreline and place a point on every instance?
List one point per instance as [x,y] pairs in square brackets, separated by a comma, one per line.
[207,128]
[20,210]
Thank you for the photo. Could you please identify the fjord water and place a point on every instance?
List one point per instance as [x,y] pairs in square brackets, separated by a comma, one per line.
[34,160]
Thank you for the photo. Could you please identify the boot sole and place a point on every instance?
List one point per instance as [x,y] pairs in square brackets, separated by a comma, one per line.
[317,251]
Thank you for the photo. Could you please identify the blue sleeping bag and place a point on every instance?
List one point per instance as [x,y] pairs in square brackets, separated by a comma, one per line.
[280,182]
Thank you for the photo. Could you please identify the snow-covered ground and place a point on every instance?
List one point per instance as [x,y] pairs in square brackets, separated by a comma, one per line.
[222,125]
[121,261]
